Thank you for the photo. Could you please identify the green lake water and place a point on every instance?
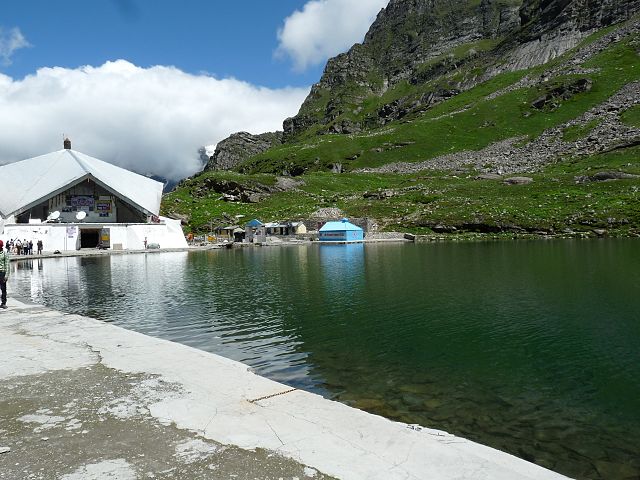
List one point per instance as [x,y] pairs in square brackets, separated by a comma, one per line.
[530,347]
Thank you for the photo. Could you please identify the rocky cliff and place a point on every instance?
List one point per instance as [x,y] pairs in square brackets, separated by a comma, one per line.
[419,46]
[549,28]
[418,54]
[239,147]
[539,17]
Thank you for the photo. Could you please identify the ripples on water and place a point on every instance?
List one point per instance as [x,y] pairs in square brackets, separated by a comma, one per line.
[532,347]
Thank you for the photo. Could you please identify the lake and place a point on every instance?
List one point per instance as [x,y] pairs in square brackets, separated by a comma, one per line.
[531,347]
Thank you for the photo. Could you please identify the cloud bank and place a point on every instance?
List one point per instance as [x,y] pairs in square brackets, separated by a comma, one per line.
[149,120]
[11,41]
[325,28]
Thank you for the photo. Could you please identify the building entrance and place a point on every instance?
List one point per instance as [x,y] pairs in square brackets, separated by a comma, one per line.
[89,238]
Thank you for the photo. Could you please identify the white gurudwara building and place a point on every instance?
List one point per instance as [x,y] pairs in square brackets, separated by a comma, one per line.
[70,200]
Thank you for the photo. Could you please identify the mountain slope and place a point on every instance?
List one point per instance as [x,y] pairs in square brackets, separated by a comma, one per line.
[441,93]
[516,106]
[424,51]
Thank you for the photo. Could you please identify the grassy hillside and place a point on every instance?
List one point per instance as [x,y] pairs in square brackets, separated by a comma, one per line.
[405,54]
[450,200]
[440,201]
[468,121]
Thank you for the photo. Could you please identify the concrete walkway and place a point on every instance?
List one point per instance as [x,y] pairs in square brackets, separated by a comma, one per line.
[83,399]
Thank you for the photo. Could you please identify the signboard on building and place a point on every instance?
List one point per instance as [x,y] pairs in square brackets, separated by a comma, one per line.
[105,238]
[82,201]
[103,206]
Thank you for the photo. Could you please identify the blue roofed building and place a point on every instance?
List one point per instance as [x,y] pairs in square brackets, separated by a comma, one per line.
[342,231]
[255,223]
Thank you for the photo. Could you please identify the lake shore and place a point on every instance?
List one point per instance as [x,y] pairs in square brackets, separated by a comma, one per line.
[382,237]
[94,252]
[211,405]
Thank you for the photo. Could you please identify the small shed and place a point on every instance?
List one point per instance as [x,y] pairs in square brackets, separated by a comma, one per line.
[286,228]
[255,223]
[299,228]
[254,231]
[230,232]
[341,231]
[238,234]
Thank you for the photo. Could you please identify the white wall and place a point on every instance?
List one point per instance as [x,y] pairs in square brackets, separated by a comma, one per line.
[131,236]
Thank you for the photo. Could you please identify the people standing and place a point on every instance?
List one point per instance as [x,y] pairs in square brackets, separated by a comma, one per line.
[4,275]
[39,247]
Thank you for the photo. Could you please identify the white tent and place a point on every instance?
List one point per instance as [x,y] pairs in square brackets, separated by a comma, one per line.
[29,182]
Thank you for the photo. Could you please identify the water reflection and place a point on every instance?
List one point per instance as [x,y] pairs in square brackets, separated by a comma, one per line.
[342,267]
[531,347]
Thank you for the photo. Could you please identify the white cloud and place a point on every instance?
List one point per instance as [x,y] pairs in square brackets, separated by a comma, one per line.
[325,28]
[10,41]
[150,120]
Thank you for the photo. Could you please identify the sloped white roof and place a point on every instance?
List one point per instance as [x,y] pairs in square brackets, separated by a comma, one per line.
[29,182]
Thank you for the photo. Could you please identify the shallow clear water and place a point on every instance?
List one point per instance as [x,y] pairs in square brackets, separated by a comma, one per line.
[530,347]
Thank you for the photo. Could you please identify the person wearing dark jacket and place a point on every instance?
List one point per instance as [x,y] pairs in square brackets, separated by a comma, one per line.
[4,275]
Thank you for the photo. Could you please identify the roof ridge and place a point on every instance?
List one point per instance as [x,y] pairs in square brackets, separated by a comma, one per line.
[79,161]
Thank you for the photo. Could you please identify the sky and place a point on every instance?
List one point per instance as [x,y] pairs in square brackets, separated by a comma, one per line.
[144,84]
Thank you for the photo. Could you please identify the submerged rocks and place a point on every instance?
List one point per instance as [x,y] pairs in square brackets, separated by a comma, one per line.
[608,469]
[370,404]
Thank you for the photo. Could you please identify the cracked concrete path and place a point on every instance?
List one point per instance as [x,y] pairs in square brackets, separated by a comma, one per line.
[82,399]
[93,423]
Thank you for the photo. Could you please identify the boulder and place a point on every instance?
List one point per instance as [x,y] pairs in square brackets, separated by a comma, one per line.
[604,176]
[489,176]
[288,183]
[517,180]
[327,212]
